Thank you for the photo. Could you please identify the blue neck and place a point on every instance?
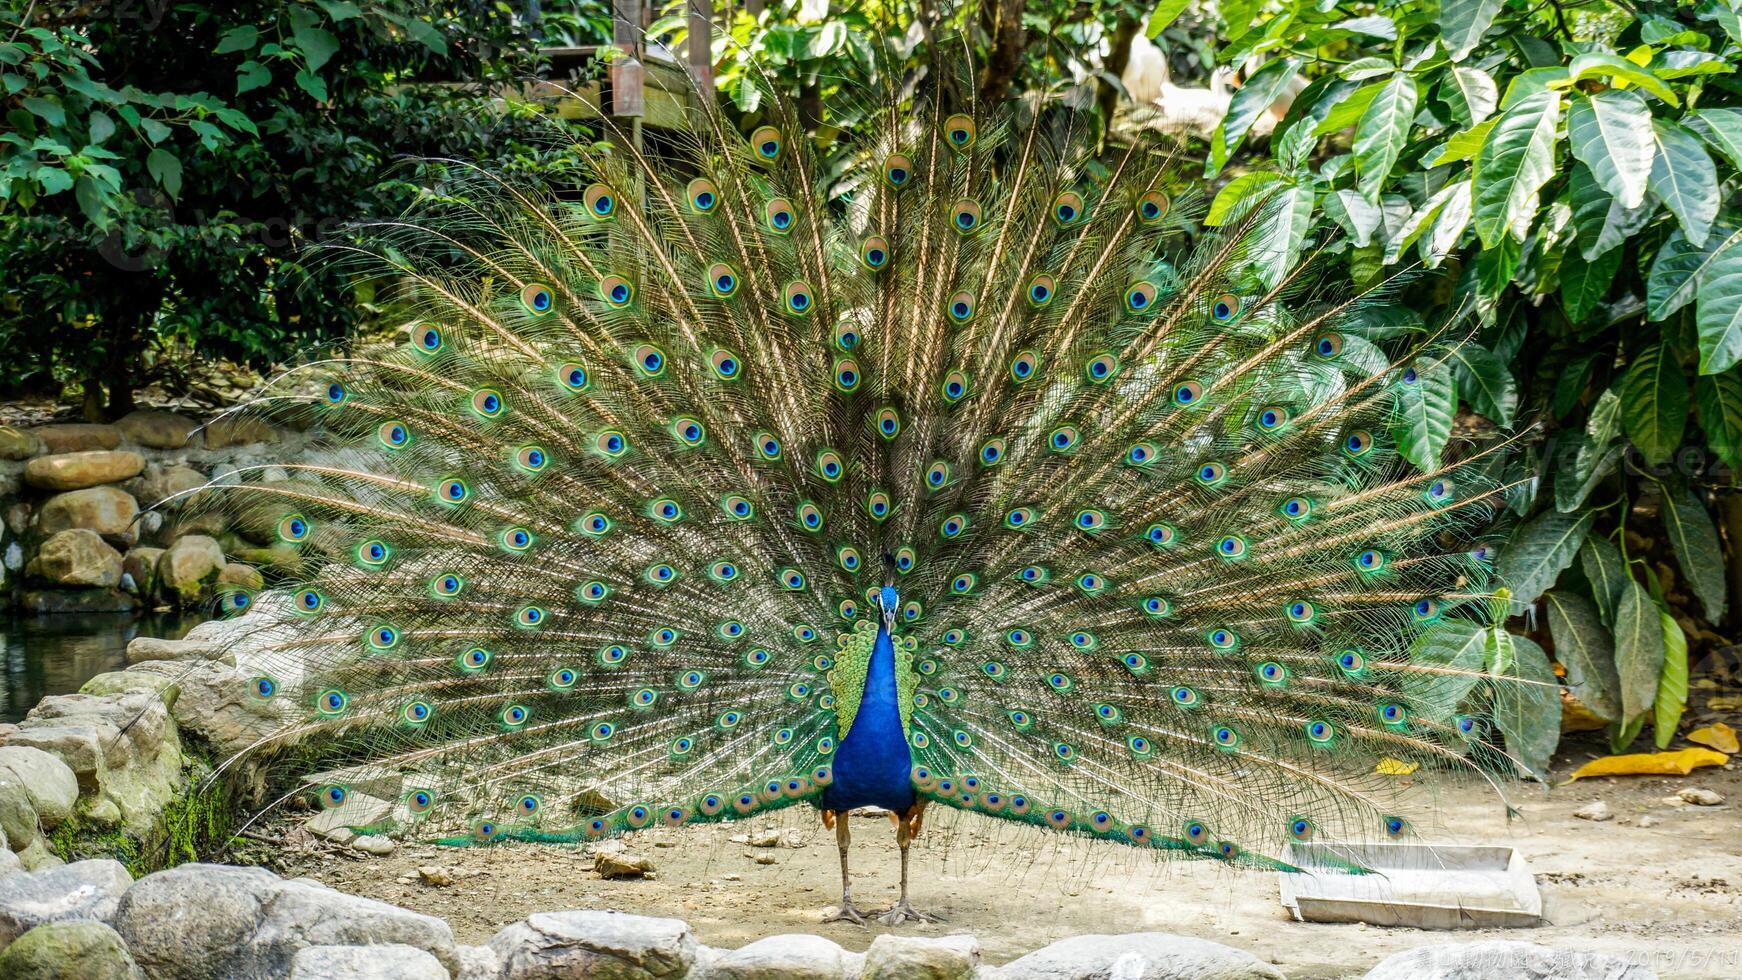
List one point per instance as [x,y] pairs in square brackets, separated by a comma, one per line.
[872,764]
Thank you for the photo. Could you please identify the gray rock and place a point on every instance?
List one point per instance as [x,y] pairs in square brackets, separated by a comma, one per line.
[1138,956]
[140,565]
[159,486]
[143,648]
[207,920]
[374,844]
[10,864]
[76,602]
[216,703]
[233,430]
[553,945]
[77,950]
[76,471]
[18,821]
[188,569]
[158,430]
[46,781]
[1498,958]
[36,857]
[392,962]
[792,957]
[77,437]
[893,957]
[235,575]
[105,510]
[78,558]
[478,963]
[18,443]
[81,890]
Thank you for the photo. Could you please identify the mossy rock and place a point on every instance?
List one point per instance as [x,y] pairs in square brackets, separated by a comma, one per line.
[77,950]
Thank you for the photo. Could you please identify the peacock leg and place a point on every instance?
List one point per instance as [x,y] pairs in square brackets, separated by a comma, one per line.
[846,913]
[906,829]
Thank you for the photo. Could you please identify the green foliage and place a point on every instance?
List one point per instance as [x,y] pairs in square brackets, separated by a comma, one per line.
[165,171]
[1568,173]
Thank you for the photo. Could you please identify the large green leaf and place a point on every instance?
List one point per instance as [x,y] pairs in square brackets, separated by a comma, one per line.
[1278,235]
[1237,196]
[1382,131]
[1610,132]
[1672,683]
[1586,650]
[1250,101]
[1695,541]
[1638,649]
[1514,163]
[1718,307]
[1683,176]
[1654,402]
[1457,645]
[1165,13]
[1485,382]
[1424,414]
[1602,223]
[1718,398]
[1462,24]
[1722,128]
[1528,710]
[1471,94]
[1604,64]
[1680,267]
[1353,213]
[1584,283]
[1539,550]
[1604,568]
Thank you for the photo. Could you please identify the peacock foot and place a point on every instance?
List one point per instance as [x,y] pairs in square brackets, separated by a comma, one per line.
[903,911]
[846,913]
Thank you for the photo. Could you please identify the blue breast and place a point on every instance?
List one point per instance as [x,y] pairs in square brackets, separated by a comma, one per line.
[872,765]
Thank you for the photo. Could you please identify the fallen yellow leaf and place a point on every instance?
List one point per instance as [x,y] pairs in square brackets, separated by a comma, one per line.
[1677,763]
[1718,736]
[1395,767]
[1724,702]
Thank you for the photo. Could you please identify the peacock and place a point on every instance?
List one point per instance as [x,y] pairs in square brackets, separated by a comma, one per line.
[939,459]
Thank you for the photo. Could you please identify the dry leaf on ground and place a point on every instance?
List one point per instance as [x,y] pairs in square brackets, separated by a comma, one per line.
[1677,763]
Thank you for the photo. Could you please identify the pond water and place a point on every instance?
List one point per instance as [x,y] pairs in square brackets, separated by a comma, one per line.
[41,655]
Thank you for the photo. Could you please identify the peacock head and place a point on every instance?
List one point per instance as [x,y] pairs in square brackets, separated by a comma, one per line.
[888,601]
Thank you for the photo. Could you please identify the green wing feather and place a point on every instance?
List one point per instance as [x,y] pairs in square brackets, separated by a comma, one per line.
[596,554]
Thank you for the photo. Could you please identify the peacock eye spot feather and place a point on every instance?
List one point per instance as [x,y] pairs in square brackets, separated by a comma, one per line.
[1328,345]
[1225,308]
[537,299]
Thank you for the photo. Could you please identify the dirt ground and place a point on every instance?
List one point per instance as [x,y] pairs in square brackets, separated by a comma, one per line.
[1660,883]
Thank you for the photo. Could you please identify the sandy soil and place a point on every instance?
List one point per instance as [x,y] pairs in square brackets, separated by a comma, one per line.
[1668,892]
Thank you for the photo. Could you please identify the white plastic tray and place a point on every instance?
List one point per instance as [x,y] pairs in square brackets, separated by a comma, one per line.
[1427,886]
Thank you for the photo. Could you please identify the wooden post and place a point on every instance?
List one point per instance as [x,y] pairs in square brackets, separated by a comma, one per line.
[700,47]
[628,76]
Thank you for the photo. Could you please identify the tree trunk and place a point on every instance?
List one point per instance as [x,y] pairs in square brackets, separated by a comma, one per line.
[1008,36]
[1106,93]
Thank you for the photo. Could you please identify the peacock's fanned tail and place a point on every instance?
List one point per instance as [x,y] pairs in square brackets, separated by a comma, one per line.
[598,554]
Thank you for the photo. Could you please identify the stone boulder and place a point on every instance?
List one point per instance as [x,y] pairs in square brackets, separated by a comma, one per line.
[18,443]
[76,471]
[143,648]
[206,920]
[188,569]
[106,510]
[1138,956]
[896,957]
[552,945]
[1501,958]
[792,957]
[81,890]
[78,950]
[139,565]
[77,437]
[392,962]
[77,558]
[122,747]
[158,430]
[235,575]
[216,703]
[233,431]
[47,782]
[160,483]
[125,681]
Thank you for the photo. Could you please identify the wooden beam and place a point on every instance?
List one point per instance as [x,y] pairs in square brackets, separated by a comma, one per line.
[628,76]
[700,47]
